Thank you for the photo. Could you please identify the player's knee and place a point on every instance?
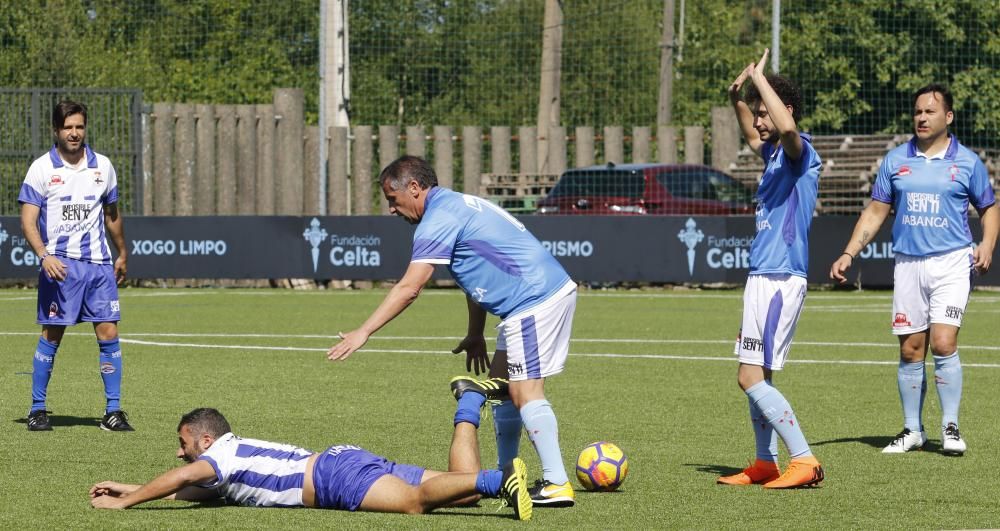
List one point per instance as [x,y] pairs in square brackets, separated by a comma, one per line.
[944,348]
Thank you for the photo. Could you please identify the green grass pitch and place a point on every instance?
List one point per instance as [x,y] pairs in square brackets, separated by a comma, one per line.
[651,371]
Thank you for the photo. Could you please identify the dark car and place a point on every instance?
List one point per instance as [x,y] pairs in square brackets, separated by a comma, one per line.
[647,189]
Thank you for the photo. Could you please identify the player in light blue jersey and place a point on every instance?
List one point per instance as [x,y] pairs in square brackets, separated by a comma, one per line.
[257,473]
[69,199]
[929,182]
[503,270]
[776,286]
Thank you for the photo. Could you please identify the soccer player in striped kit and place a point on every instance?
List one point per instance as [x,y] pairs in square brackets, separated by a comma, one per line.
[258,473]
[776,286]
[930,182]
[68,200]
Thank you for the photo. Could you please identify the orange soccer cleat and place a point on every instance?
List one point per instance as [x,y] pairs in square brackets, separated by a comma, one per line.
[759,472]
[801,472]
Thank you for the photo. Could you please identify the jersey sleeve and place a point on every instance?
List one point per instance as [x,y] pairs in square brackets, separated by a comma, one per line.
[980,191]
[435,238]
[111,196]
[33,189]
[216,457]
[882,189]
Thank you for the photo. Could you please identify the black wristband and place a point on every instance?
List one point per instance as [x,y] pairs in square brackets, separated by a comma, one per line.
[848,254]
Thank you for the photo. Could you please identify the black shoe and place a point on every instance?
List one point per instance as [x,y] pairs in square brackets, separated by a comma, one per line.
[514,489]
[38,420]
[548,494]
[116,421]
[494,389]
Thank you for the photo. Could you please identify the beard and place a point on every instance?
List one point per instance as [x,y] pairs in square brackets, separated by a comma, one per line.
[65,147]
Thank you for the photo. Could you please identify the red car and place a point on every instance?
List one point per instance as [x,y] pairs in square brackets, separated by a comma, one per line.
[647,189]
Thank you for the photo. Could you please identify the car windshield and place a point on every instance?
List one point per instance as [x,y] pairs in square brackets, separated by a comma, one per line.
[727,189]
[608,183]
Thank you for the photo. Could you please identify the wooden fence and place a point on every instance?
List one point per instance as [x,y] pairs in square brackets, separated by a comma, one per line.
[263,160]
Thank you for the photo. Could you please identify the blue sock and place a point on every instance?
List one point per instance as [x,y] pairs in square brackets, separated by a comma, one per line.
[948,377]
[488,482]
[780,416]
[41,371]
[507,425]
[912,387]
[468,408]
[764,435]
[111,372]
[543,430]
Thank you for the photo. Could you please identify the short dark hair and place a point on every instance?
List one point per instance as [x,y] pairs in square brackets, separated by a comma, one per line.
[205,420]
[65,109]
[940,89]
[406,168]
[785,88]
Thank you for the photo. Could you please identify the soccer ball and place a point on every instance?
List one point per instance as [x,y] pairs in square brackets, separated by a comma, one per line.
[601,466]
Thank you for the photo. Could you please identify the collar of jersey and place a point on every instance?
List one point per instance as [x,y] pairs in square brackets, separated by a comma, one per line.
[949,154]
[58,163]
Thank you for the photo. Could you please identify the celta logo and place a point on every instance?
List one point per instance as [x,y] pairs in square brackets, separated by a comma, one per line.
[690,237]
[3,234]
[315,235]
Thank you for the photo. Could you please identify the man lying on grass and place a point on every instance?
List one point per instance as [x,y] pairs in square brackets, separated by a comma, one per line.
[265,474]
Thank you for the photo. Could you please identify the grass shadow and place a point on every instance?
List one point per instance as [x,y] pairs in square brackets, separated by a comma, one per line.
[67,420]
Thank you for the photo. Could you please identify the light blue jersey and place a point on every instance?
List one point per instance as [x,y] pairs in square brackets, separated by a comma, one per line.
[931,197]
[786,199]
[490,254]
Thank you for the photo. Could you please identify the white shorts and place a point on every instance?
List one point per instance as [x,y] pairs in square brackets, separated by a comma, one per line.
[930,289]
[537,341]
[771,308]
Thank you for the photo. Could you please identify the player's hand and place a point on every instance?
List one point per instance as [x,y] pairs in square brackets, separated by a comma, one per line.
[120,269]
[982,258]
[106,502]
[109,488]
[758,68]
[475,354]
[54,268]
[840,267]
[737,84]
[349,342]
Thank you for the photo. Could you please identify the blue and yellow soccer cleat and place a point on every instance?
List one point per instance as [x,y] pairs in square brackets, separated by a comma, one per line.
[514,489]
[494,389]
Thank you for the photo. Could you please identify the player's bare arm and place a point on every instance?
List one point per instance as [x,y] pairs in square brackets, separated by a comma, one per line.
[162,486]
[743,113]
[780,114]
[115,227]
[474,344]
[53,267]
[868,224]
[983,254]
[399,298]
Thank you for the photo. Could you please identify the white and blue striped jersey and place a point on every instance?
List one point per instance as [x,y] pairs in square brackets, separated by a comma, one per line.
[257,473]
[72,202]
[786,199]
[491,255]
[931,196]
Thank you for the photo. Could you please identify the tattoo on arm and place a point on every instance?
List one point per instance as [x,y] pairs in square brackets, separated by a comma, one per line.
[863,240]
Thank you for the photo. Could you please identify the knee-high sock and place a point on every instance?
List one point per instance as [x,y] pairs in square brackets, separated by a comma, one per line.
[948,378]
[912,388]
[543,430]
[764,435]
[41,371]
[488,482]
[780,416]
[507,424]
[111,372]
[468,408]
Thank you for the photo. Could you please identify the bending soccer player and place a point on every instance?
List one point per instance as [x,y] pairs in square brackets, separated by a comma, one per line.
[505,271]
[776,286]
[266,474]
[930,182]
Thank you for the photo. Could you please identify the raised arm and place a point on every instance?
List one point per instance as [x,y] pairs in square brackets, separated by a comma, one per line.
[399,298]
[111,495]
[743,113]
[868,224]
[781,116]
